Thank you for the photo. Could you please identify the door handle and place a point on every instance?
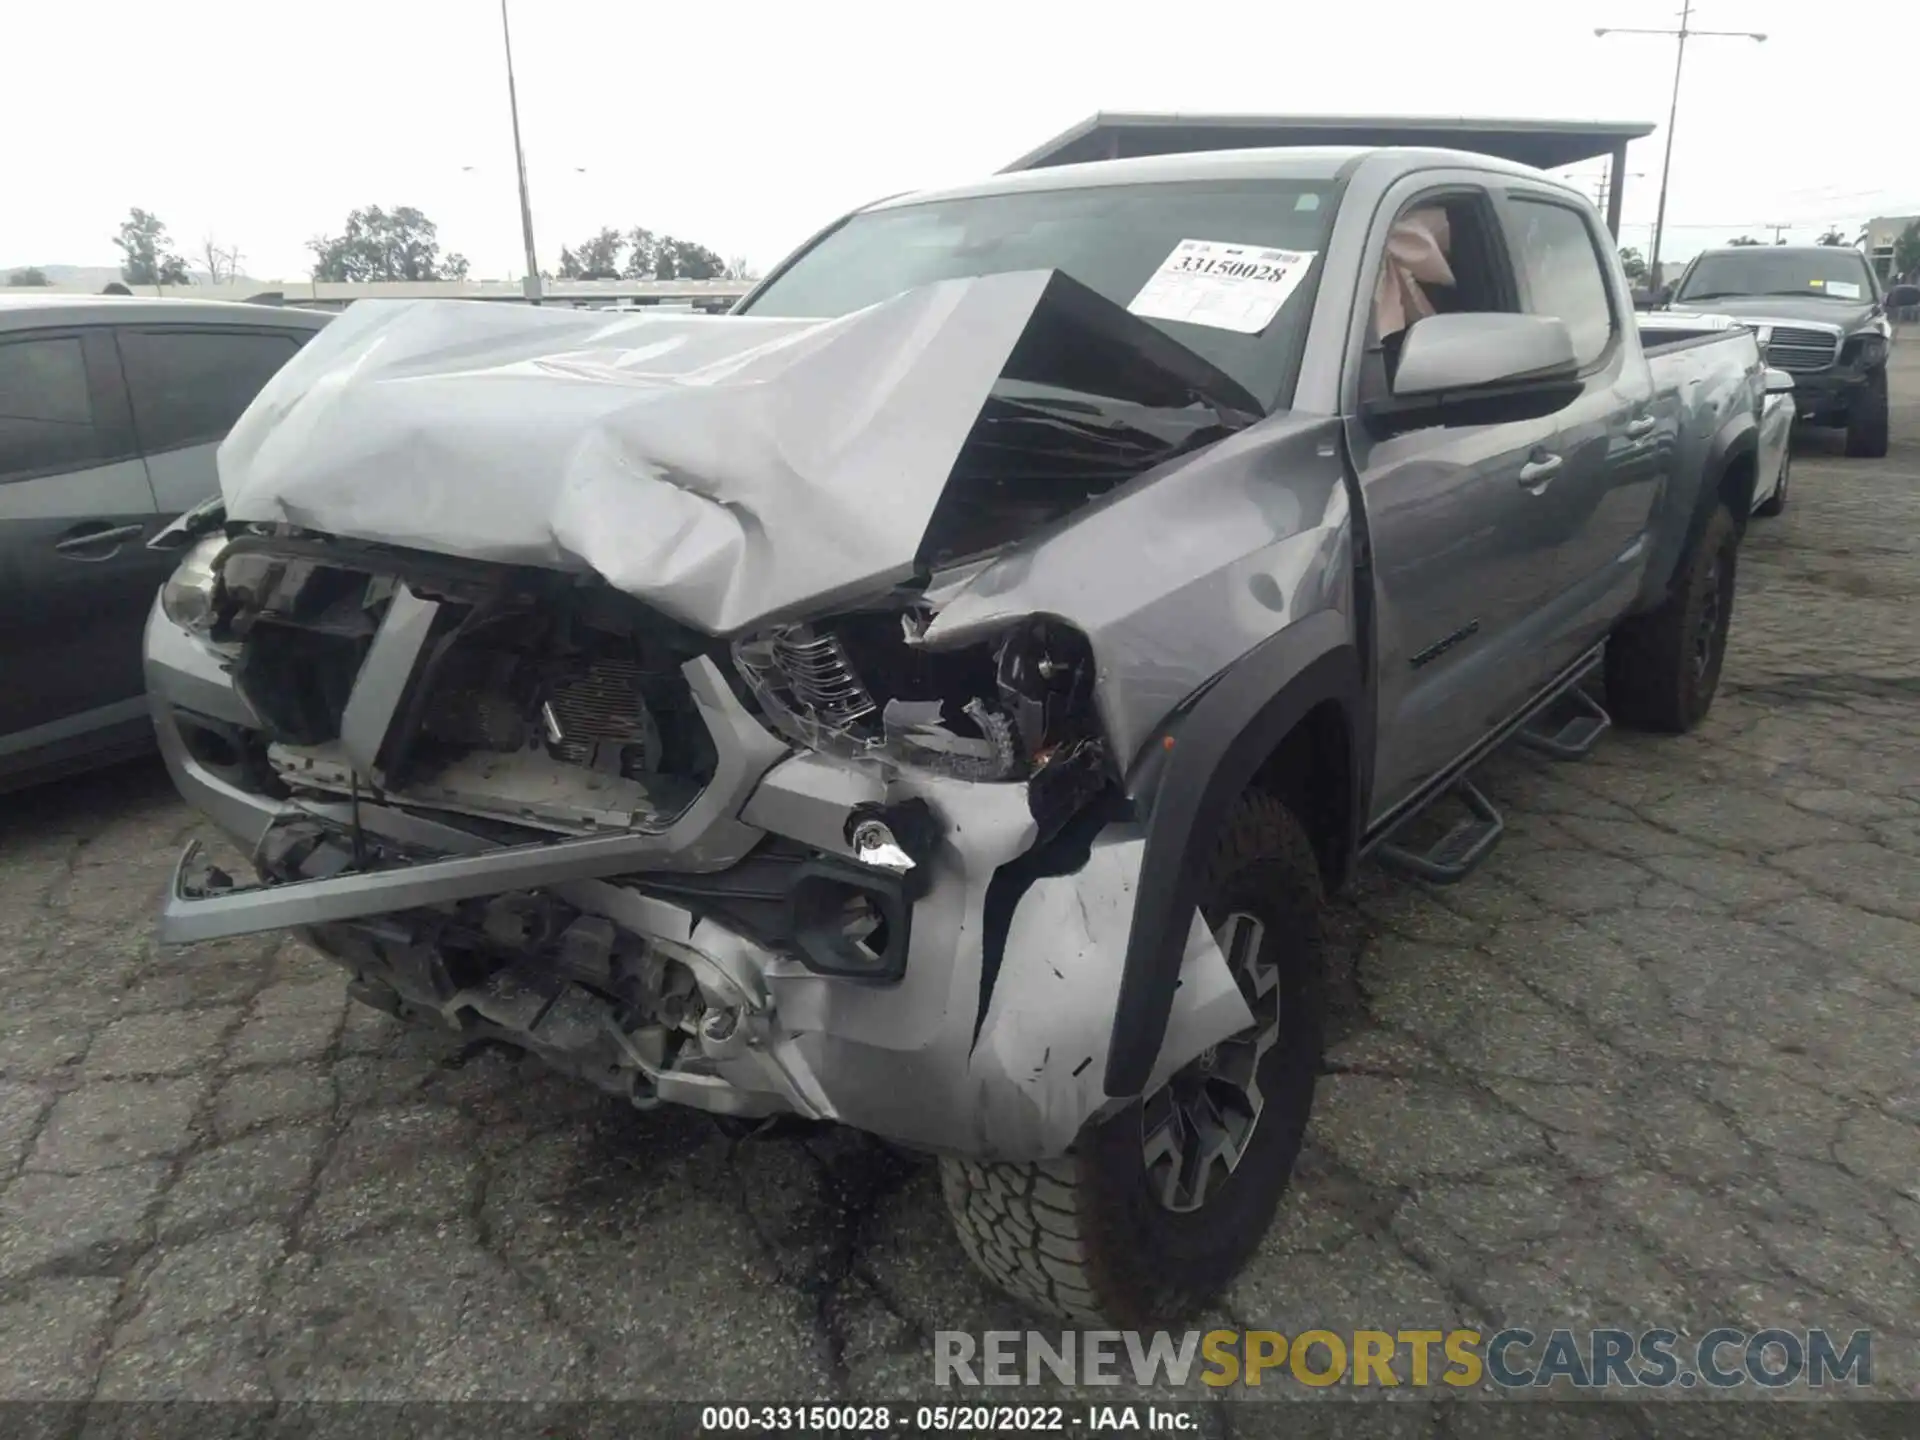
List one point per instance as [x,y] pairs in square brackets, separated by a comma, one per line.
[1640,427]
[1538,473]
[84,542]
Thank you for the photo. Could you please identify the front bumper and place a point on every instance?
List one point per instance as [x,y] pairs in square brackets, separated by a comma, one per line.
[992,1042]
[1825,396]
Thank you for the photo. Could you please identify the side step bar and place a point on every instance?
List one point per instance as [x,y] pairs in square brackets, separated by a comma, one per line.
[1456,854]
[1569,728]
[1561,720]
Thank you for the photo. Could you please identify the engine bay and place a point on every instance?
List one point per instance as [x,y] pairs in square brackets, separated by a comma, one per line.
[539,700]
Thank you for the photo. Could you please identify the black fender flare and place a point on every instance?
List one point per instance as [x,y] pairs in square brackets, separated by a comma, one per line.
[1739,437]
[1219,744]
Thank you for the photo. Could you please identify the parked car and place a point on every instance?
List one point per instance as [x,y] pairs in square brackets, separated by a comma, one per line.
[110,411]
[1777,416]
[1821,316]
[939,697]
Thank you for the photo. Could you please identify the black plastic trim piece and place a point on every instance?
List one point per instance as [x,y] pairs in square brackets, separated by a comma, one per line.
[1231,729]
[814,920]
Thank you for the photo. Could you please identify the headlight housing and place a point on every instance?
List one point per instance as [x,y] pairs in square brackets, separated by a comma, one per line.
[861,686]
[187,597]
[1868,350]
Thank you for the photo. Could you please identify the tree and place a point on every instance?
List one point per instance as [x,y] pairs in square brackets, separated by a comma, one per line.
[222,264]
[643,253]
[689,261]
[30,276]
[1906,250]
[741,268]
[1835,236]
[596,259]
[661,257]
[1743,240]
[377,244]
[149,260]
[1634,264]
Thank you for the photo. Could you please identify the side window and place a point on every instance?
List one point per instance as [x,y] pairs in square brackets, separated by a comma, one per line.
[1443,255]
[46,411]
[189,386]
[1555,252]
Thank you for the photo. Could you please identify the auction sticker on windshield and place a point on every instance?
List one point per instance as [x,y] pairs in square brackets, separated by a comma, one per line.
[1230,287]
[1842,289]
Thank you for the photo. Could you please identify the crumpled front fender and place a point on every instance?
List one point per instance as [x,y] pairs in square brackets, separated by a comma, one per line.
[1039,1067]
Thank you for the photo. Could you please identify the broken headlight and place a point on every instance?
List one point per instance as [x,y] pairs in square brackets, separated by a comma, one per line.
[863,687]
[187,597]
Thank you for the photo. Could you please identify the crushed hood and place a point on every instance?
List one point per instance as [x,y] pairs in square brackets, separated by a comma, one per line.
[724,469]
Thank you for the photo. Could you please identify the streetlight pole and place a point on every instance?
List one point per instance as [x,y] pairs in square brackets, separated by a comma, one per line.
[532,283]
[1685,33]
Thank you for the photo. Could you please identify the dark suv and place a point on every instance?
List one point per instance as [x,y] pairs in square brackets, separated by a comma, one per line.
[110,412]
[1821,317]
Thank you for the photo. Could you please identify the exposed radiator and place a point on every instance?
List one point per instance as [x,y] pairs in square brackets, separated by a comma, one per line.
[604,705]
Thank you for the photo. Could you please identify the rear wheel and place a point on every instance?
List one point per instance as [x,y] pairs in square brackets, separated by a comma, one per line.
[1867,420]
[1156,1208]
[1663,667]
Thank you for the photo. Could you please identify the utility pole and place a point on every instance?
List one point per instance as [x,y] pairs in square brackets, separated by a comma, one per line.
[1685,33]
[531,284]
[1777,230]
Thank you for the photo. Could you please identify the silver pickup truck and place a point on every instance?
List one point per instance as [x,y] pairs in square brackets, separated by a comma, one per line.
[939,696]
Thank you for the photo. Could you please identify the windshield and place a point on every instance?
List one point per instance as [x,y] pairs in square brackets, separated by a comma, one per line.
[1111,239]
[1836,273]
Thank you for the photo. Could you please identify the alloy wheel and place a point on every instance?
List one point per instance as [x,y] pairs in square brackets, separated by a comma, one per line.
[1195,1128]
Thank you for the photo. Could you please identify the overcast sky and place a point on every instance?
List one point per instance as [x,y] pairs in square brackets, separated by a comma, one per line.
[745,126]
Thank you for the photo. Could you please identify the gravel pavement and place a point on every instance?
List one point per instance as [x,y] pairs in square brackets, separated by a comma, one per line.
[1654,1064]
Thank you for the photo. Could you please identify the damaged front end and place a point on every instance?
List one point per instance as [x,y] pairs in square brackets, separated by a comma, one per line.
[758,840]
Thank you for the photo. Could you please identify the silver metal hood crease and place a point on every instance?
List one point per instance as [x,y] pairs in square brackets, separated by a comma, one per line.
[724,469]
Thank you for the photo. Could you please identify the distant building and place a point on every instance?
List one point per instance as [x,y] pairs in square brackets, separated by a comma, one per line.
[1881,233]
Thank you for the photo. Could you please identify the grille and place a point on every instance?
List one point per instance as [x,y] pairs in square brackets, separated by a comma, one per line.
[1790,348]
[602,706]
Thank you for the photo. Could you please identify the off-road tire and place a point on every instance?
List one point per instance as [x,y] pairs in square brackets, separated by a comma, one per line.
[1867,420]
[1653,681]
[1082,1237]
[1777,502]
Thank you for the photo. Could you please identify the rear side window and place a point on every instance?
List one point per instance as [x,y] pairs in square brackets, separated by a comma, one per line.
[46,411]
[189,386]
[1554,250]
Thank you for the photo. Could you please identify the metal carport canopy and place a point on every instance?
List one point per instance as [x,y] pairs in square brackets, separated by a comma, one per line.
[1543,144]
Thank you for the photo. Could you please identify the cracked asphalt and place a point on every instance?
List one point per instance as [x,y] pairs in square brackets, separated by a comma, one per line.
[1654,1064]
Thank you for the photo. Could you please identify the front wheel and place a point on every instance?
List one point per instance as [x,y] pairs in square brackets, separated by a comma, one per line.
[1867,420]
[1155,1209]
[1663,667]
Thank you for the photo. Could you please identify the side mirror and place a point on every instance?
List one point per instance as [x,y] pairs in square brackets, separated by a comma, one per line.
[1903,297]
[1443,354]
[1779,382]
[1479,369]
